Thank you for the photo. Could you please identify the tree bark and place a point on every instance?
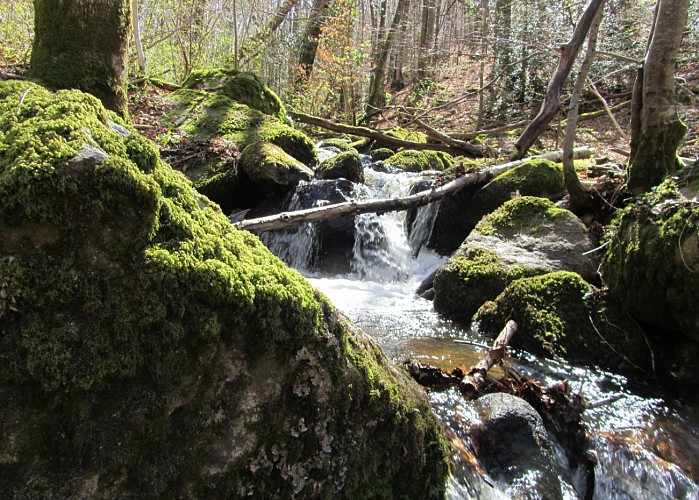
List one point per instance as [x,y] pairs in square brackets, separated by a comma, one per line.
[657,130]
[291,219]
[253,46]
[137,38]
[83,44]
[458,147]
[310,40]
[579,198]
[553,94]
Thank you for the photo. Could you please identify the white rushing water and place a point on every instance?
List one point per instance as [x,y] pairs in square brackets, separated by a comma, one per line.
[636,438]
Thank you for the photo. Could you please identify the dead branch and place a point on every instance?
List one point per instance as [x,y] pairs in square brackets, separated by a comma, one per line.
[464,148]
[474,380]
[382,205]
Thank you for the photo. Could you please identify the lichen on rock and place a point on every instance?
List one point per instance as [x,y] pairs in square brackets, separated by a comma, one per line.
[150,349]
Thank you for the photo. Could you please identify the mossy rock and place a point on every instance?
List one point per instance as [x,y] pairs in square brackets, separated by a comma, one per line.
[271,169]
[207,114]
[558,316]
[340,145]
[416,161]
[470,278]
[526,236]
[240,86]
[540,178]
[347,165]
[406,135]
[150,349]
[381,154]
[651,263]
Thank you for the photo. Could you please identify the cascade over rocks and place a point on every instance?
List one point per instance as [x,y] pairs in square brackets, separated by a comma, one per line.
[150,349]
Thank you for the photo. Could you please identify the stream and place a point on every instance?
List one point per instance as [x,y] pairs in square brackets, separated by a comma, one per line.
[645,442]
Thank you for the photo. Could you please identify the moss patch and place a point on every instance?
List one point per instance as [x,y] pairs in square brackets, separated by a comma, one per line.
[206,114]
[417,161]
[467,280]
[381,154]
[271,169]
[558,316]
[406,135]
[347,165]
[240,86]
[652,261]
[337,143]
[522,213]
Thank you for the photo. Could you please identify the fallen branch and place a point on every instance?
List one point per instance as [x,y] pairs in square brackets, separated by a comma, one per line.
[382,205]
[464,148]
[474,381]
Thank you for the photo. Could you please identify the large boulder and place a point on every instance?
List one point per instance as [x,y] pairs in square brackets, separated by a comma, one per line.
[149,349]
[526,236]
[240,86]
[540,178]
[272,170]
[652,261]
[559,315]
[417,161]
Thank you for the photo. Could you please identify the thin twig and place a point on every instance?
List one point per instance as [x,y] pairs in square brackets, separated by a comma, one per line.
[21,100]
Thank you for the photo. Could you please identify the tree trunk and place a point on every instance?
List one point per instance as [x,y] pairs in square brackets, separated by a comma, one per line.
[137,38]
[553,94]
[378,73]
[83,44]
[292,219]
[253,46]
[579,198]
[310,40]
[657,130]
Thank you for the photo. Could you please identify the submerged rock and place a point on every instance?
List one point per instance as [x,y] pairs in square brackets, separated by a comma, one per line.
[515,449]
[652,261]
[527,236]
[150,349]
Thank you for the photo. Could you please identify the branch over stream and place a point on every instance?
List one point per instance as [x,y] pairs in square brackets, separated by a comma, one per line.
[383,205]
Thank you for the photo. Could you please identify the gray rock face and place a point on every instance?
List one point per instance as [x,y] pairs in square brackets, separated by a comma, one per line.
[515,449]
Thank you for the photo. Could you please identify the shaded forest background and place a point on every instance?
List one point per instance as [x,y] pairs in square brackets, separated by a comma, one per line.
[458,64]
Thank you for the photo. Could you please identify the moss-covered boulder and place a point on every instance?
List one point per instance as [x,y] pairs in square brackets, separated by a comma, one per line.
[652,261]
[205,114]
[381,154]
[406,135]
[336,144]
[540,178]
[347,165]
[558,315]
[526,236]
[271,169]
[417,161]
[151,350]
[240,86]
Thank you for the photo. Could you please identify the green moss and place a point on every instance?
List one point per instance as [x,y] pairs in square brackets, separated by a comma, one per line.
[524,212]
[339,144]
[406,135]
[558,316]
[116,263]
[206,114]
[347,165]
[652,264]
[270,168]
[417,161]
[469,279]
[239,86]
[381,154]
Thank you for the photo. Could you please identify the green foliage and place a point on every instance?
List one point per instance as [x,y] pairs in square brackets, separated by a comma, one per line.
[16,30]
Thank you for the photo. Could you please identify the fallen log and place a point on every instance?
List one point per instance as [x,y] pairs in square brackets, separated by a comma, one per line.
[462,148]
[383,205]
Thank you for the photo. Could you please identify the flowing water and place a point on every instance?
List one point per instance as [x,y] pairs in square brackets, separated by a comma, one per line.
[646,443]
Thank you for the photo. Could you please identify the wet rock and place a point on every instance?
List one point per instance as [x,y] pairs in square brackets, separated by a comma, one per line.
[525,237]
[336,144]
[515,449]
[152,350]
[381,154]
[652,261]
[346,165]
[410,160]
